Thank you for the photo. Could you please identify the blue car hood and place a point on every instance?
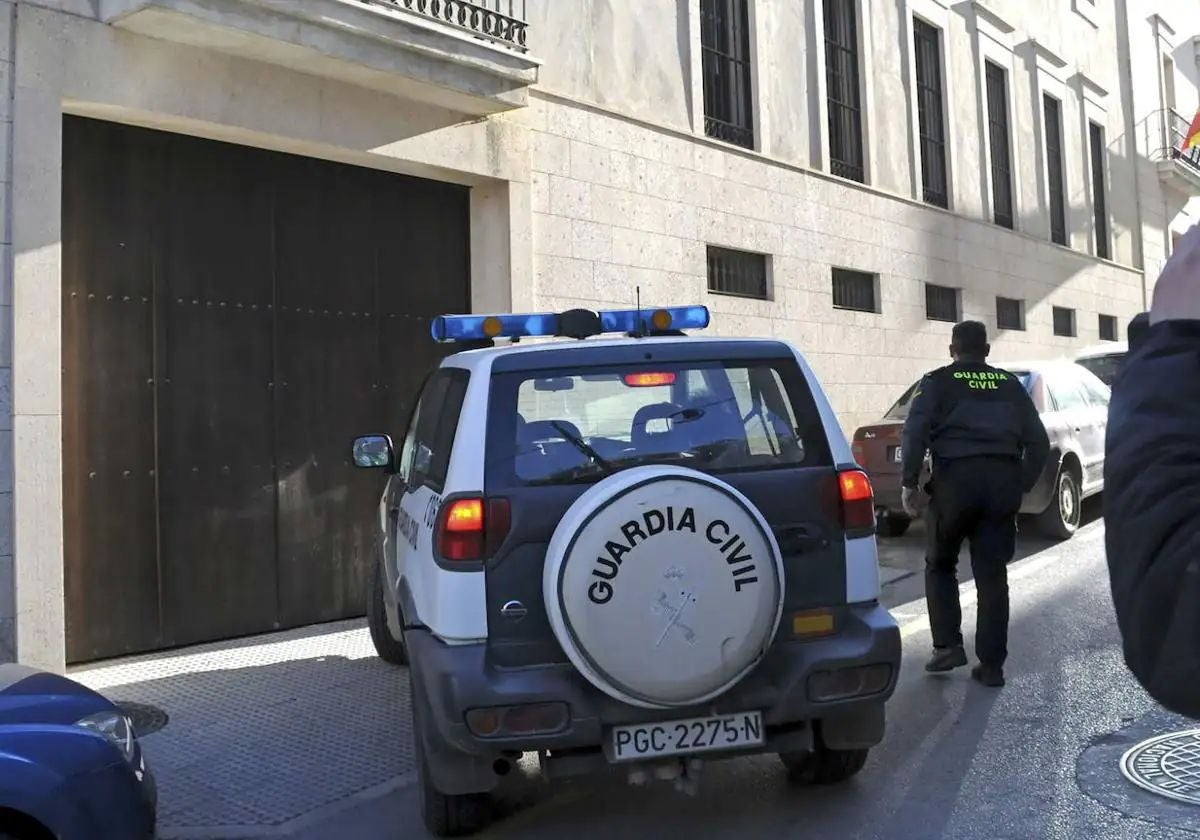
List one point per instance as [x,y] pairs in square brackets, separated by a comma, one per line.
[31,696]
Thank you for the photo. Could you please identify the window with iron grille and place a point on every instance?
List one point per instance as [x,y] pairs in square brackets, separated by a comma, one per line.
[998,133]
[725,44]
[844,94]
[1010,314]
[942,303]
[930,109]
[1064,321]
[1099,198]
[1108,328]
[738,273]
[1054,169]
[855,290]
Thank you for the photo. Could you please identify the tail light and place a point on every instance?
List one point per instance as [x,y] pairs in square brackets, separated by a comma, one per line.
[858,500]
[470,528]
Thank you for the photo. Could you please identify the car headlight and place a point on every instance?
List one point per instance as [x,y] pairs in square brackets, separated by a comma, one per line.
[115,727]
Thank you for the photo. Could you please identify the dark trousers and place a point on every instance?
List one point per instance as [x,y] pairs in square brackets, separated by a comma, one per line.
[974,499]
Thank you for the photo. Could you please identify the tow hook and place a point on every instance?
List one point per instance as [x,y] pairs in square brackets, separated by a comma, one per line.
[684,774]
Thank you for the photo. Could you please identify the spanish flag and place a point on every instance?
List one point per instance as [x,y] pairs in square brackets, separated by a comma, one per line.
[1192,138]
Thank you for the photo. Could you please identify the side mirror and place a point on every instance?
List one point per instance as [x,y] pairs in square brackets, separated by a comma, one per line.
[373,452]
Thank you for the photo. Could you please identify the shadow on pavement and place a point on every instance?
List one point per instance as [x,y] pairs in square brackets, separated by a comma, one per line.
[902,559]
[269,730]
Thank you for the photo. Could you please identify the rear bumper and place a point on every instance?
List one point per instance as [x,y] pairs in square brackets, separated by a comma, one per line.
[450,680]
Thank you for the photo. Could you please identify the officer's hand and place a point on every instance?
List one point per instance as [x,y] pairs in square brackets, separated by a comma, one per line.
[914,501]
[1177,294]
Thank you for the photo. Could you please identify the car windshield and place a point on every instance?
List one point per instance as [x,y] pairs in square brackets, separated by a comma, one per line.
[1105,368]
[899,411]
[582,425]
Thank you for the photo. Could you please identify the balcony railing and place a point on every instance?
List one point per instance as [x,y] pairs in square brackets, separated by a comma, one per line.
[1174,130]
[501,22]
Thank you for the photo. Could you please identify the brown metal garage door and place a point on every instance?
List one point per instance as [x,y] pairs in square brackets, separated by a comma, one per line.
[232,317]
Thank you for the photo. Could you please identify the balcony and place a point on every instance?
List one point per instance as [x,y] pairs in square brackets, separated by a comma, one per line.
[1177,168]
[467,57]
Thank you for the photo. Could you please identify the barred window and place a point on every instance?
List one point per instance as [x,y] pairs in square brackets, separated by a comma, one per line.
[1064,322]
[738,273]
[725,44]
[843,92]
[1108,328]
[930,111]
[942,303]
[998,133]
[856,290]
[1054,170]
[1099,198]
[1010,314]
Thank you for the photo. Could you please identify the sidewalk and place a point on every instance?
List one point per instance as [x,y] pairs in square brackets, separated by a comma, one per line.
[268,734]
[276,735]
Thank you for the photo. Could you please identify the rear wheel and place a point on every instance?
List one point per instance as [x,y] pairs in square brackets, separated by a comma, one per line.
[891,524]
[823,766]
[390,649]
[446,815]
[1061,520]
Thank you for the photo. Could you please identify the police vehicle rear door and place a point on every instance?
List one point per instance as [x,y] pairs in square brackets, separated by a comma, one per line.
[560,420]
[415,494]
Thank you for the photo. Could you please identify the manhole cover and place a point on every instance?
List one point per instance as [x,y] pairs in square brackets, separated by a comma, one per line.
[146,719]
[1168,765]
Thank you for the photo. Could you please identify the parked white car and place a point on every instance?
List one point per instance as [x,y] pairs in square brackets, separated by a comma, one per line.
[639,550]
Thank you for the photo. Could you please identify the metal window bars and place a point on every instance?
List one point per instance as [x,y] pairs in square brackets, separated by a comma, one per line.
[854,290]
[844,99]
[500,22]
[930,107]
[998,133]
[737,273]
[1054,170]
[725,46]
[941,303]
[1173,129]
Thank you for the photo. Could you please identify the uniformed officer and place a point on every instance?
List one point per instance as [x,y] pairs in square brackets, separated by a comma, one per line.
[989,447]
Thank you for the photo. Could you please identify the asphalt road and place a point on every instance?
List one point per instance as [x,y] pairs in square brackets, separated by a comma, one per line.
[958,761]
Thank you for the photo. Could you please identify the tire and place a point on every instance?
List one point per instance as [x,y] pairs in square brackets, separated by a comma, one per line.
[892,524]
[390,650]
[446,815]
[1060,521]
[823,766]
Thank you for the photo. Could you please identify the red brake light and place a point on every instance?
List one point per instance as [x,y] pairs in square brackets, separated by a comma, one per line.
[646,380]
[471,528]
[858,500]
[465,516]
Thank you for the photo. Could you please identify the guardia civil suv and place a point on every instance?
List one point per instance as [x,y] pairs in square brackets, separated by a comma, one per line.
[642,550]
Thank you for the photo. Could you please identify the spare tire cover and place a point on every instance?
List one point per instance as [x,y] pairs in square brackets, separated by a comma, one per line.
[664,586]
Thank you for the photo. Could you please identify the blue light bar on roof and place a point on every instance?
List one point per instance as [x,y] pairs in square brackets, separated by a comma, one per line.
[479,327]
[654,320]
[646,321]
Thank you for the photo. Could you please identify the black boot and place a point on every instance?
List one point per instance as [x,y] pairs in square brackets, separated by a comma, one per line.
[946,659]
[989,675]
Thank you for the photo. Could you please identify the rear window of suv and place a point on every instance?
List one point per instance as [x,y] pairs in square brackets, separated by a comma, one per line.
[571,426]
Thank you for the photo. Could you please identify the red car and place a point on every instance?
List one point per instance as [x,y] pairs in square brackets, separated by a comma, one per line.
[1073,404]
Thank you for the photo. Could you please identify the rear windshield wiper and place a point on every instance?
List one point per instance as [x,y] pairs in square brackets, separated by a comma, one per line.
[588,452]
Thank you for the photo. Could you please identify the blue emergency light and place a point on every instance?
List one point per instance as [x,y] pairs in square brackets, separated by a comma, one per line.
[577,323]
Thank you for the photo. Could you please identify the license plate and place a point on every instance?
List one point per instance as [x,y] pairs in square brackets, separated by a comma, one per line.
[680,737]
[897,454]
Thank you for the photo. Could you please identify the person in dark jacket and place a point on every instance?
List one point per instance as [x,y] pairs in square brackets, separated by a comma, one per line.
[989,446]
[1152,490]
